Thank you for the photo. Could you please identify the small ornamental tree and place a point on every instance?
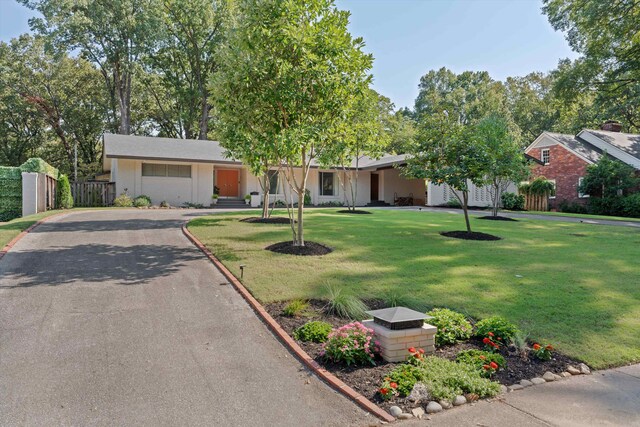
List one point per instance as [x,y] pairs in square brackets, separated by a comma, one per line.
[295,67]
[504,162]
[447,153]
[608,178]
[64,198]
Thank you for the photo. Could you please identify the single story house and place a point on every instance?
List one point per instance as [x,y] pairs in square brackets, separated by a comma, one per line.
[179,171]
[563,159]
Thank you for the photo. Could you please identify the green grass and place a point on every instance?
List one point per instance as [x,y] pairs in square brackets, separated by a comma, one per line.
[11,229]
[579,290]
[576,215]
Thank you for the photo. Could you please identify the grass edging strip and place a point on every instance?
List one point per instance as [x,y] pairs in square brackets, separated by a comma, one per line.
[333,381]
[24,232]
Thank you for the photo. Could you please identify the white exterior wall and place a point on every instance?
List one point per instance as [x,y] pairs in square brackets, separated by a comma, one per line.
[392,182]
[439,195]
[127,174]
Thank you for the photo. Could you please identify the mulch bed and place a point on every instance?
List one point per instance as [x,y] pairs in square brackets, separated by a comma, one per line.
[497,218]
[470,235]
[366,380]
[271,220]
[357,211]
[309,248]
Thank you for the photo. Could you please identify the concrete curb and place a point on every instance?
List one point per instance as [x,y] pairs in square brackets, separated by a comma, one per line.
[322,373]
[24,232]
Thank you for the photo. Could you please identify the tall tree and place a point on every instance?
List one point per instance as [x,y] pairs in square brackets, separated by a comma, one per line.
[605,33]
[113,34]
[296,65]
[186,59]
[608,178]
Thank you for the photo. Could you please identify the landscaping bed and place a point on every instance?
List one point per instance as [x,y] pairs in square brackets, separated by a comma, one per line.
[367,379]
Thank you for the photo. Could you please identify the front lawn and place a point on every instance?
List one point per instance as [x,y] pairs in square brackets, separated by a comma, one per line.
[574,285]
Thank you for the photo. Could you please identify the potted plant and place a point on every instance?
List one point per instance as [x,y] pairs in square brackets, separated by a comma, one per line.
[247,199]
[214,199]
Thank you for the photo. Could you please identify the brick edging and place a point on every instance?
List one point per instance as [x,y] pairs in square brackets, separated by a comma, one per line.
[322,373]
[24,232]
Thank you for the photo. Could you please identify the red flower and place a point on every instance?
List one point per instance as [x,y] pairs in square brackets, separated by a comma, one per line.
[412,349]
[486,367]
[393,385]
[486,340]
[493,365]
[494,345]
[490,334]
[548,347]
[421,351]
[417,356]
[536,347]
[482,357]
[384,391]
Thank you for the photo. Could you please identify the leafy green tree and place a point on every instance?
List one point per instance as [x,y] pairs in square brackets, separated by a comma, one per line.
[605,33]
[503,161]
[608,178]
[401,128]
[113,34]
[446,152]
[363,134]
[184,62]
[294,68]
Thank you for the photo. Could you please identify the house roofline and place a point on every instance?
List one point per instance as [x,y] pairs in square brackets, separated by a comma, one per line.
[610,149]
[561,144]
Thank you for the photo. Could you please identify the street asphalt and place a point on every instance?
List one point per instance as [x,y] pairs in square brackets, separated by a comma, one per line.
[115,318]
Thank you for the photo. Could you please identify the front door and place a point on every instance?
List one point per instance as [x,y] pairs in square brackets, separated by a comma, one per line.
[374,187]
[227,181]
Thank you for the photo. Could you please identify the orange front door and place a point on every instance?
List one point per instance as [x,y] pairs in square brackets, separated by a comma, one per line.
[227,181]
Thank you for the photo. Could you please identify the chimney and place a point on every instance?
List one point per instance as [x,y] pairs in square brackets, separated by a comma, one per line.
[611,126]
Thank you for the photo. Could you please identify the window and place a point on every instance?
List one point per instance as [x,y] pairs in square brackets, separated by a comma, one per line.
[545,156]
[173,171]
[326,184]
[581,195]
[552,195]
[273,182]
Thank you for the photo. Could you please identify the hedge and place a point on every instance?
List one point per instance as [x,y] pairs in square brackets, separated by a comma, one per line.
[11,185]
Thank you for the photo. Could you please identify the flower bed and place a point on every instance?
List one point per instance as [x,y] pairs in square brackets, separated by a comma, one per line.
[368,379]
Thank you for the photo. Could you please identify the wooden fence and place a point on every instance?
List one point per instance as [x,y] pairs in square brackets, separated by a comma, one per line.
[50,196]
[536,202]
[93,194]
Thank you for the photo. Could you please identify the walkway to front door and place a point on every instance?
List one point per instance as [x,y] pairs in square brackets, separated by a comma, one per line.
[227,180]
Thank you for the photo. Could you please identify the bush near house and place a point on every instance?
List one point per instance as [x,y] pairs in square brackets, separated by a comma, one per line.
[315,331]
[123,201]
[142,201]
[497,328]
[64,198]
[512,201]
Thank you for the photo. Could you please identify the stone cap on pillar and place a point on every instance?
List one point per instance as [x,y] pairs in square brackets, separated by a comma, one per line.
[398,318]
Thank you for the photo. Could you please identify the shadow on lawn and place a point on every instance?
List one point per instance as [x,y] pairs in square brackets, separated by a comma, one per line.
[93,263]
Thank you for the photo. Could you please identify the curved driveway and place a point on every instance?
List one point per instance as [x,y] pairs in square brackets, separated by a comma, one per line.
[114,318]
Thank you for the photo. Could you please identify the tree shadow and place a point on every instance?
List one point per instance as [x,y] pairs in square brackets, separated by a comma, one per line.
[108,225]
[93,263]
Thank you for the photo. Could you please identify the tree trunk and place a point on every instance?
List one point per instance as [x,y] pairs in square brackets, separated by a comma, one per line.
[265,197]
[300,239]
[496,198]
[204,118]
[123,90]
[465,208]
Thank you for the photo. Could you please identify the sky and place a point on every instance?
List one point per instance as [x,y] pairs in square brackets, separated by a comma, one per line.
[410,37]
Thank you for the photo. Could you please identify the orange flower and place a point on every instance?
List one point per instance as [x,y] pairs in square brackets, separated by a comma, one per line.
[493,365]
[486,340]
[421,351]
[412,349]
[393,385]
[536,347]
[482,357]
[486,367]
[384,391]
[490,334]
[549,347]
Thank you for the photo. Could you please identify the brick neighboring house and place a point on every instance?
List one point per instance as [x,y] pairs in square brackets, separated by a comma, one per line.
[563,159]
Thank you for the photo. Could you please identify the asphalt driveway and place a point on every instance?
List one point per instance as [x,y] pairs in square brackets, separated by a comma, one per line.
[114,318]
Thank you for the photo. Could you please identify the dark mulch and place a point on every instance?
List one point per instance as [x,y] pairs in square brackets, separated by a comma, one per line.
[497,218]
[309,248]
[272,220]
[357,211]
[473,235]
[367,379]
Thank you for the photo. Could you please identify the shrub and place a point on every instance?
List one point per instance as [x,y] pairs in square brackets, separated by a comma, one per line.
[164,204]
[572,207]
[606,206]
[502,330]
[142,201]
[542,352]
[295,308]
[519,343]
[631,206]
[330,204]
[123,201]
[452,326]
[401,381]
[64,198]
[444,379]
[351,344]
[512,201]
[315,331]
[484,362]
[345,305]
[453,203]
